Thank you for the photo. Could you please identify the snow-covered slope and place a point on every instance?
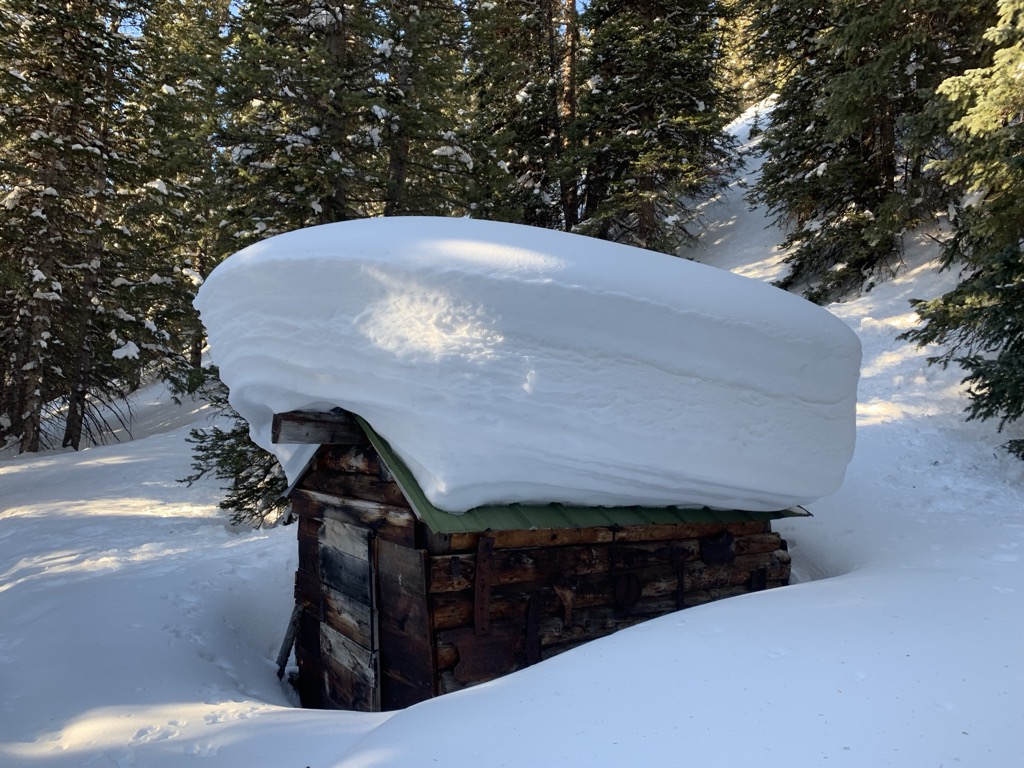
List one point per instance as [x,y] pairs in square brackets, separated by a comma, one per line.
[137,630]
[506,363]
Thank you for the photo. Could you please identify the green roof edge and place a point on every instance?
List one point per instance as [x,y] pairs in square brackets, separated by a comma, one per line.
[550,516]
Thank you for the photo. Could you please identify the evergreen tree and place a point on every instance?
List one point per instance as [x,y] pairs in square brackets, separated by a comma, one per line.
[181,54]
[981,321]
[851,136]
[654,117]
[256,483]
[522,58]
[423,163]
[331,112]
[68,176]
[295,150]
[297,106]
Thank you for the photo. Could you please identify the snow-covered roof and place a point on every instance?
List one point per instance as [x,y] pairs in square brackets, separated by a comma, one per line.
[508,364]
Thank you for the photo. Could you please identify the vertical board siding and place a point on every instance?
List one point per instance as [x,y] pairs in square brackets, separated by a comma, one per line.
[406,643]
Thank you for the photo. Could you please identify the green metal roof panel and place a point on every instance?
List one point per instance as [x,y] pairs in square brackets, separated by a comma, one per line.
[508,517]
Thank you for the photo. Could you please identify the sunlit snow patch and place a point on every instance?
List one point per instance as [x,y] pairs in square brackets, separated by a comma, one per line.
[505,363]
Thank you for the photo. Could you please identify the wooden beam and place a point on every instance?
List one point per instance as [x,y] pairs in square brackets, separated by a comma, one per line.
[335,427]
[482,585]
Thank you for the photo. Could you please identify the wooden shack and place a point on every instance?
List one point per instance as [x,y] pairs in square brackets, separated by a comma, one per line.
[398,601]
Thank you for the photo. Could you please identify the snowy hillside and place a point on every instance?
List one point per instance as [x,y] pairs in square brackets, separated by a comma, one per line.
[136,629]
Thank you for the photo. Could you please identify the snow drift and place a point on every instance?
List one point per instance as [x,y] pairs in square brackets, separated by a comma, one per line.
[505,363]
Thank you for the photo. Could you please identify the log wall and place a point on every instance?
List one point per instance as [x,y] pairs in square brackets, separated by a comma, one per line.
[393,614]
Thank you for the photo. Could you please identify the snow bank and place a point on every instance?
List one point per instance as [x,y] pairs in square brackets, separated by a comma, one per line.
[505,363]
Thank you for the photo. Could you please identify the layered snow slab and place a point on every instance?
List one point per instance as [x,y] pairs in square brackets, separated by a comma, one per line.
[505,363]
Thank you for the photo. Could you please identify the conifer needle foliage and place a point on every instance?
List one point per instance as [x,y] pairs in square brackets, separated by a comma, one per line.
[853,136]
[981,321]
[142,143]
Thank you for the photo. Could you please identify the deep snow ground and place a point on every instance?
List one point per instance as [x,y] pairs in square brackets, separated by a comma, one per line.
[136,629]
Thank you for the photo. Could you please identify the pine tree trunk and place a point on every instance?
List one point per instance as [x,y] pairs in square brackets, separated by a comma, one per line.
[396,197]
[198,338]
[6,385]
[32,373]
[79,392]
[337,208]
[81,375]
[569,177]
[15,398]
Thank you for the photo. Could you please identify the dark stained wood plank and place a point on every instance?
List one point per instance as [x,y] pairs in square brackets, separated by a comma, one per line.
[307,592]
[317,428]
[349,575]
[407,659]
[457,572]
[483,578]
[718,549]
[698,576]
[309,550]
[307,510]
[483,657]
[773,561]
[447,655]
[533,630]
[398,692]
[451,610]
[308,656]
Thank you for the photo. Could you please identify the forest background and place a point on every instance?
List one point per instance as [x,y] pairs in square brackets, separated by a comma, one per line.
[141,143]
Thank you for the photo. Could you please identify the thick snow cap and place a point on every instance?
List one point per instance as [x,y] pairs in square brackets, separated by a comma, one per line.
[510,364]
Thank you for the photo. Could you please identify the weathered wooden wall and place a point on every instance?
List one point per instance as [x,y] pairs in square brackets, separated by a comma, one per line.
[553,590]
[354,525]
[394,614]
